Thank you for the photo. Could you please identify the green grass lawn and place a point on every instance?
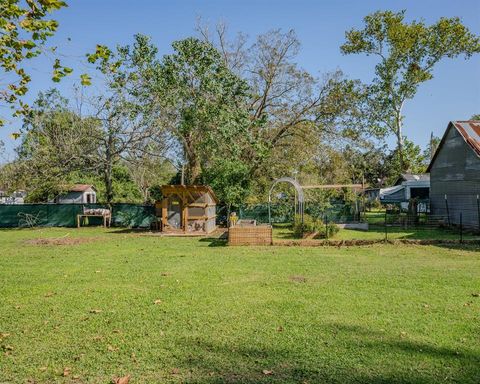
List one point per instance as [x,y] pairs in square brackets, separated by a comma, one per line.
[191,310]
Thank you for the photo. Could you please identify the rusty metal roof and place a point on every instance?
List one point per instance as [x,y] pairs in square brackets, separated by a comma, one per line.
[80,187]
[470,132]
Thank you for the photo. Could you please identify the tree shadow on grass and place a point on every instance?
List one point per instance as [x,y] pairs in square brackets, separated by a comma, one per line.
[215,241]
[354,354]
[122,231]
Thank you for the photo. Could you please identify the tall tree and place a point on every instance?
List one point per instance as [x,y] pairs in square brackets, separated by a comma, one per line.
[286,104]
[128,126]
[407,54]
[205,104]
[55,142]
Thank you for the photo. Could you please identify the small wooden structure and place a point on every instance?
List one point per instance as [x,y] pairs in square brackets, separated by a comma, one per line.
[247,232]
[187,209]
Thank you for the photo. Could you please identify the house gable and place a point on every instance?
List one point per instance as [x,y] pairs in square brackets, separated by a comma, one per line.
[455,159]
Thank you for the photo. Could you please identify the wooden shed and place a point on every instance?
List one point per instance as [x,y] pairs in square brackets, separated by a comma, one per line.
[188,209]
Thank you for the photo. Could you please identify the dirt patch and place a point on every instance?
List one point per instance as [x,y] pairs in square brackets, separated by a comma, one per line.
[62,240]
[298,279]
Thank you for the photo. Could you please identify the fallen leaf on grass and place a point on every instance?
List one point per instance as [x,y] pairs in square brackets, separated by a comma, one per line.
[50,294]
[4,335]
[95,311]
[266,372]
[7,347]
[280,329]
[111,348]
[66,371]
[121,380]
[175,371]
[158,301]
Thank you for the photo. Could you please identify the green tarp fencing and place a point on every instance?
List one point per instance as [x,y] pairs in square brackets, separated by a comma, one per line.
[65,215]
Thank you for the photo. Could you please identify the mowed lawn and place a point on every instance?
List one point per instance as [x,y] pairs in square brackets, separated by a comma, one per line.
[191,310]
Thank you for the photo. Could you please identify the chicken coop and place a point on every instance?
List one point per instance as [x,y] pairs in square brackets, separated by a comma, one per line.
[187,209]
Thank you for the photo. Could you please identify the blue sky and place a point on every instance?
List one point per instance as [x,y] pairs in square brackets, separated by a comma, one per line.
[453,94]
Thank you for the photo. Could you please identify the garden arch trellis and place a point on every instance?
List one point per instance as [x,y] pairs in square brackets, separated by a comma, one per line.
[300,196]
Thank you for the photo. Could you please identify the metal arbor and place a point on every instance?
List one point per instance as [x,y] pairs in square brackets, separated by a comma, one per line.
[300,197]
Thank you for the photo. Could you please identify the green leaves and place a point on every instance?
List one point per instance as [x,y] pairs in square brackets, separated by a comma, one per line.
[85,79]
[24,31]
[102,54]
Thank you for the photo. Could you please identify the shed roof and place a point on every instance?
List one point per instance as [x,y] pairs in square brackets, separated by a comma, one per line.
[198,188]
[470,132]
[413,177]
[80,187]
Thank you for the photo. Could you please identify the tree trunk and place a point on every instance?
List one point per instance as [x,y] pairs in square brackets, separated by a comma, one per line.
[194,168]
[399,134]
[107,172]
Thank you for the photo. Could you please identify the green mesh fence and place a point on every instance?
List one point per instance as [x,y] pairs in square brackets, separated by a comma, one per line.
[65,215]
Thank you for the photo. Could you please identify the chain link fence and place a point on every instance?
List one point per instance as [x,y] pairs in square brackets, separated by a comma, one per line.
[386,223]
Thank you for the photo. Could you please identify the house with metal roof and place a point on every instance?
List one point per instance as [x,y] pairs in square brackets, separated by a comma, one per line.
[455,174]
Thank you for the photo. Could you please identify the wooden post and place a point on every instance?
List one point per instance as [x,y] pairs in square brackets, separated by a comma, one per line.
[185,207]
[78,221]
[164,212]
[184,212]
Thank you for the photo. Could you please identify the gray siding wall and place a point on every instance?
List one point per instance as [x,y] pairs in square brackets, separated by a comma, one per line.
[455,173]
[71,198]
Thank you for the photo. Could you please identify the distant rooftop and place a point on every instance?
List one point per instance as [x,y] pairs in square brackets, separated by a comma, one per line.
[415,176]
[412,177]
[80,187]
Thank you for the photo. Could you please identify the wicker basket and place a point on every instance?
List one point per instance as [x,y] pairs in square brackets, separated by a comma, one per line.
[250,235]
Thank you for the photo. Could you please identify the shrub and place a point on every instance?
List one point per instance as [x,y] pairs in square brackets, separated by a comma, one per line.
[312,225]
[330,229]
